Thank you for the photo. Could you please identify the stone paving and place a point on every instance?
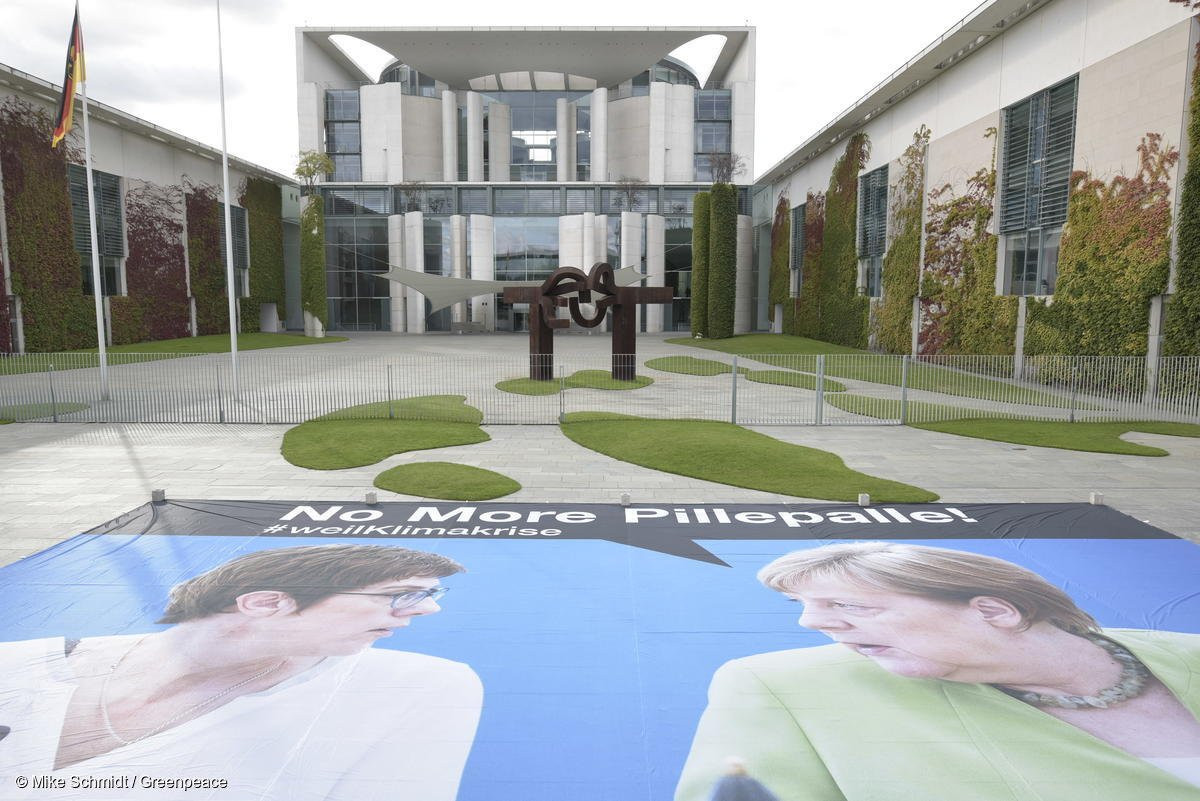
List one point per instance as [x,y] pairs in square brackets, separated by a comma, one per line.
[59,479]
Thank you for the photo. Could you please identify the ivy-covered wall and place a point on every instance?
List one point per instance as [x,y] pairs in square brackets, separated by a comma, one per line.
[722,260]
[806,319]
[779,283]
[902,262]
[263,202]
[960,311]
[312,259]
[1181,329]
[206,259]
[43,263]
[700,226]
[1115,256]
[843,312]
[156,303]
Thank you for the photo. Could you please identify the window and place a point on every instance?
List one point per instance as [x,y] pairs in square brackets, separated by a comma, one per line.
[714,104]
[473,201]
[343,134]
[110,227]
[714,110]
[712,137]
[796,257]
[1035,174]
[872,230]
[241,248]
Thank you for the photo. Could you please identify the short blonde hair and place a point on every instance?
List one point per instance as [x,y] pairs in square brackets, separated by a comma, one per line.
[938,573]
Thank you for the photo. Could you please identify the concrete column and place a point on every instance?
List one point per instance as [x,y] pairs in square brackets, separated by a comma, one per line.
[1019,338]
[499,142]
[1154,345]
[600,239]
[483,267]
[599,134]
[474,136]
[449,136]
[659,111]
[310,100]
[656,269]
[458,261]
[565,138]
[396,292]
[744,280]
[680,133]
[631,240]
[414,259]
[570,242]
[588,234]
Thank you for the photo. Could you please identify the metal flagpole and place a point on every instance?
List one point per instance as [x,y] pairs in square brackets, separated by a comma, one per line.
[97,287]
[229,286]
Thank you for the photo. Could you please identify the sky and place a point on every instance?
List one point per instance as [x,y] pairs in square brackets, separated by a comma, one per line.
[157,59]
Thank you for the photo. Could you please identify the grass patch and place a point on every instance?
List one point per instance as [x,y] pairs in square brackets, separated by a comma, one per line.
[583,379]
[140,352]
[729,454]
[38,411]
[446,481]
[889,408]
[799,353]
[690,365]
[788,378]
[363,435]
[1090,437]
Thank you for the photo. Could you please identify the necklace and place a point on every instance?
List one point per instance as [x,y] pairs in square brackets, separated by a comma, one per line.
[112,732]
[1131,683]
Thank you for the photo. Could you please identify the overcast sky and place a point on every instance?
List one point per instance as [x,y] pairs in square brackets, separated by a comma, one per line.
[157,59]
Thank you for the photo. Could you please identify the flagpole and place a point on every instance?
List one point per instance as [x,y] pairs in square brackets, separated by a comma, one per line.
[229,286]
[97,287]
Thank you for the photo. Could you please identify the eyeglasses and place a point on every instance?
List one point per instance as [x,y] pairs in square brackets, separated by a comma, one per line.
[406,599]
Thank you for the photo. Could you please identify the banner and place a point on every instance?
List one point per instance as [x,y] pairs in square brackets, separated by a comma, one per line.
[435,651]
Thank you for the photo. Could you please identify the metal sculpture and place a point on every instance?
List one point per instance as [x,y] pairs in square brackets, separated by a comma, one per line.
[572,287]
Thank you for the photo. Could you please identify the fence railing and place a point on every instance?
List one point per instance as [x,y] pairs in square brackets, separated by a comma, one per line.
[761,389]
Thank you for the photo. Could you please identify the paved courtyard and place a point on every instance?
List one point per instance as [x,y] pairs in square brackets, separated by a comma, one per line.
[59,479]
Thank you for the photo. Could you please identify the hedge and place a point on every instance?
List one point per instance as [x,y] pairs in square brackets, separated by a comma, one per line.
[722,260]
[807,319]
[263,202]
[1181,329]
[902,262]
[206,259]
[700,225]
[312,259]
[1114,257]
[156,304]
[843,311]
[779,284]
[43,264]
[960,310]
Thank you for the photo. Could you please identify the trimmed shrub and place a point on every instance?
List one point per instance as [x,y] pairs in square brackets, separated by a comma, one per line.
[156,303]
[206,258]
[902,262]
[807,320]
[1181,330]
[779,285]
[312,259]
[263,202]
[960,311]
[843,311]
[43,264]
[700,225]
[1115,257]
[722,260]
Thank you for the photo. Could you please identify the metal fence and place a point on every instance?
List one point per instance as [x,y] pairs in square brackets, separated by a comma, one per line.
[760,389]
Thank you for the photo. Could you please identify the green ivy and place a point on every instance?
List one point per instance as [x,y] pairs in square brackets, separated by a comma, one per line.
[902,263]
[43,263]
[312,259]
[779,285]
[843,311]
[700,225]
[263,202]
[806,317]
[960,310]
[155,305]
[1115,256]
[206,259]
[1181,329]
[722,260]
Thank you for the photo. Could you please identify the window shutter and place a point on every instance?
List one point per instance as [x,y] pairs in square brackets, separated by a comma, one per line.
[1014,169]
[1060,152]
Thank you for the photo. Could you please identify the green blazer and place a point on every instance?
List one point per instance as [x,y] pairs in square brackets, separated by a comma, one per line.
[826,724]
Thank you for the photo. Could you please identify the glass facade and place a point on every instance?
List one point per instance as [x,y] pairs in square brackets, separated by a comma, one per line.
[534,143]
[356,252]
[343,141]
[713,127]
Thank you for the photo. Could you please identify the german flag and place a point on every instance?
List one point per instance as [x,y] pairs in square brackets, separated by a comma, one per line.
[73,75]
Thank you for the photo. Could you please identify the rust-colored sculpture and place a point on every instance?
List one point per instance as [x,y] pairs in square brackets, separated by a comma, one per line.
[544,301]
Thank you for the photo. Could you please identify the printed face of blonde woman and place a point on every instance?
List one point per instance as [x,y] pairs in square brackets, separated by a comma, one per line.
[909,635]
[347,622]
